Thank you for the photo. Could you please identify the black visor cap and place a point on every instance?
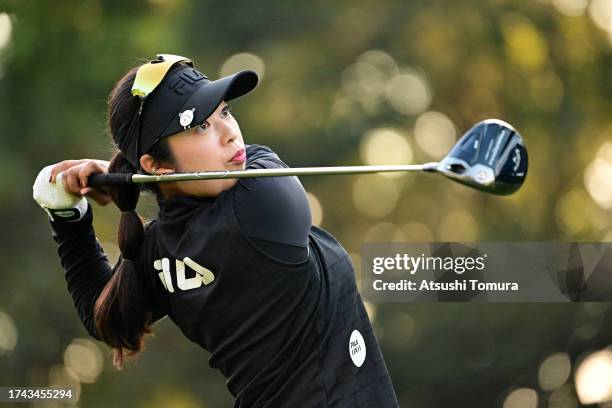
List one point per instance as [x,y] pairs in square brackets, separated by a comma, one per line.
[184,89]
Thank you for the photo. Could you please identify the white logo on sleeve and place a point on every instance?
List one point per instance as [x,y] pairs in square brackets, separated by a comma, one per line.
[357,348]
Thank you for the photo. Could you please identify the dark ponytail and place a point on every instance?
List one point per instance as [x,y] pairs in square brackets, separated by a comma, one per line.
[122,312]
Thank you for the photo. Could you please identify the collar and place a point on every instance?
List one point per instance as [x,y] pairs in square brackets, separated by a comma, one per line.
[173,208]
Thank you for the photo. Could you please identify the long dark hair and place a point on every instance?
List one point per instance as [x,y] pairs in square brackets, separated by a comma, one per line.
[122,312]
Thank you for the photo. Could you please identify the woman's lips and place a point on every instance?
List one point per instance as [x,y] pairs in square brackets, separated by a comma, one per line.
[239,157]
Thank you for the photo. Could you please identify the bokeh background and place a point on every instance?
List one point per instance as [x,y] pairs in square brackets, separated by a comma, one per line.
[342,83]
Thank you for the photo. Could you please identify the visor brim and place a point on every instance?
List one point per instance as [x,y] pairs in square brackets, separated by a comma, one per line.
[209,96]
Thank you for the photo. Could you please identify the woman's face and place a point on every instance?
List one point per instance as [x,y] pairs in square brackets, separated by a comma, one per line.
[207,146]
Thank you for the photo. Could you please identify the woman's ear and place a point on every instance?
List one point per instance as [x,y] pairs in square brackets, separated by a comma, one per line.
[152,166]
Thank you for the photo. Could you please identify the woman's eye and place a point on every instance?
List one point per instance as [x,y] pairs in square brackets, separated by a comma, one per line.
[204,125]
[226,111]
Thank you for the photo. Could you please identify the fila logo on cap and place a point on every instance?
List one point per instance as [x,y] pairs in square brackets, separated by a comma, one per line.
[186,117]
[186,78]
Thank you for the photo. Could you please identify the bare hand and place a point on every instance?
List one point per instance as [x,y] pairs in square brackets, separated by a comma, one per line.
[75,175]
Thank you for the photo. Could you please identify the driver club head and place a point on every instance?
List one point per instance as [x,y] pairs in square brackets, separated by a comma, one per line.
[490,157]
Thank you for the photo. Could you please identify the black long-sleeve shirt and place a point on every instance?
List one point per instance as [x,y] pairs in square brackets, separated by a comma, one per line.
[246,276]
[272,212]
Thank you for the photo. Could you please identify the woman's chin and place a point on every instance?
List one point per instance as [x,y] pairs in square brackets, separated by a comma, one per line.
[236,165]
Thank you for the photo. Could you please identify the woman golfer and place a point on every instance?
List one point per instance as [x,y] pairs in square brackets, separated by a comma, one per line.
[236,264]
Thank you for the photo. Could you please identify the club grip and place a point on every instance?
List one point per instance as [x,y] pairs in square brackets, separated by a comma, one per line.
[109,179]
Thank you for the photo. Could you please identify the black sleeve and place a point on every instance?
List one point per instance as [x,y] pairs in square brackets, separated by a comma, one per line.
[85,265]
[273,211]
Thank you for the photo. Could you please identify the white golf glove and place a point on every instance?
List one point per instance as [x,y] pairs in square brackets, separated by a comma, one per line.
[55,200]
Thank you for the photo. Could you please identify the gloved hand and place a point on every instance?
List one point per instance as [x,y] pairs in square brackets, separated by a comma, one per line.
[55,199]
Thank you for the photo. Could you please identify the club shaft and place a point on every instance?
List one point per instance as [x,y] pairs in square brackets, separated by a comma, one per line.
[105,179]
[278,172]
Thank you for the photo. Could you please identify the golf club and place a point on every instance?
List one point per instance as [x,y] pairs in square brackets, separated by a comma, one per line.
[490,157]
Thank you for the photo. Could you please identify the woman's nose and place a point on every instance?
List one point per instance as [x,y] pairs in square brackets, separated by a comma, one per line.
[228,135]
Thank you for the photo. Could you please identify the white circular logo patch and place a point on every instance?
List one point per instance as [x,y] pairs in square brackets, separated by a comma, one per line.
[357,348]
[186,117]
